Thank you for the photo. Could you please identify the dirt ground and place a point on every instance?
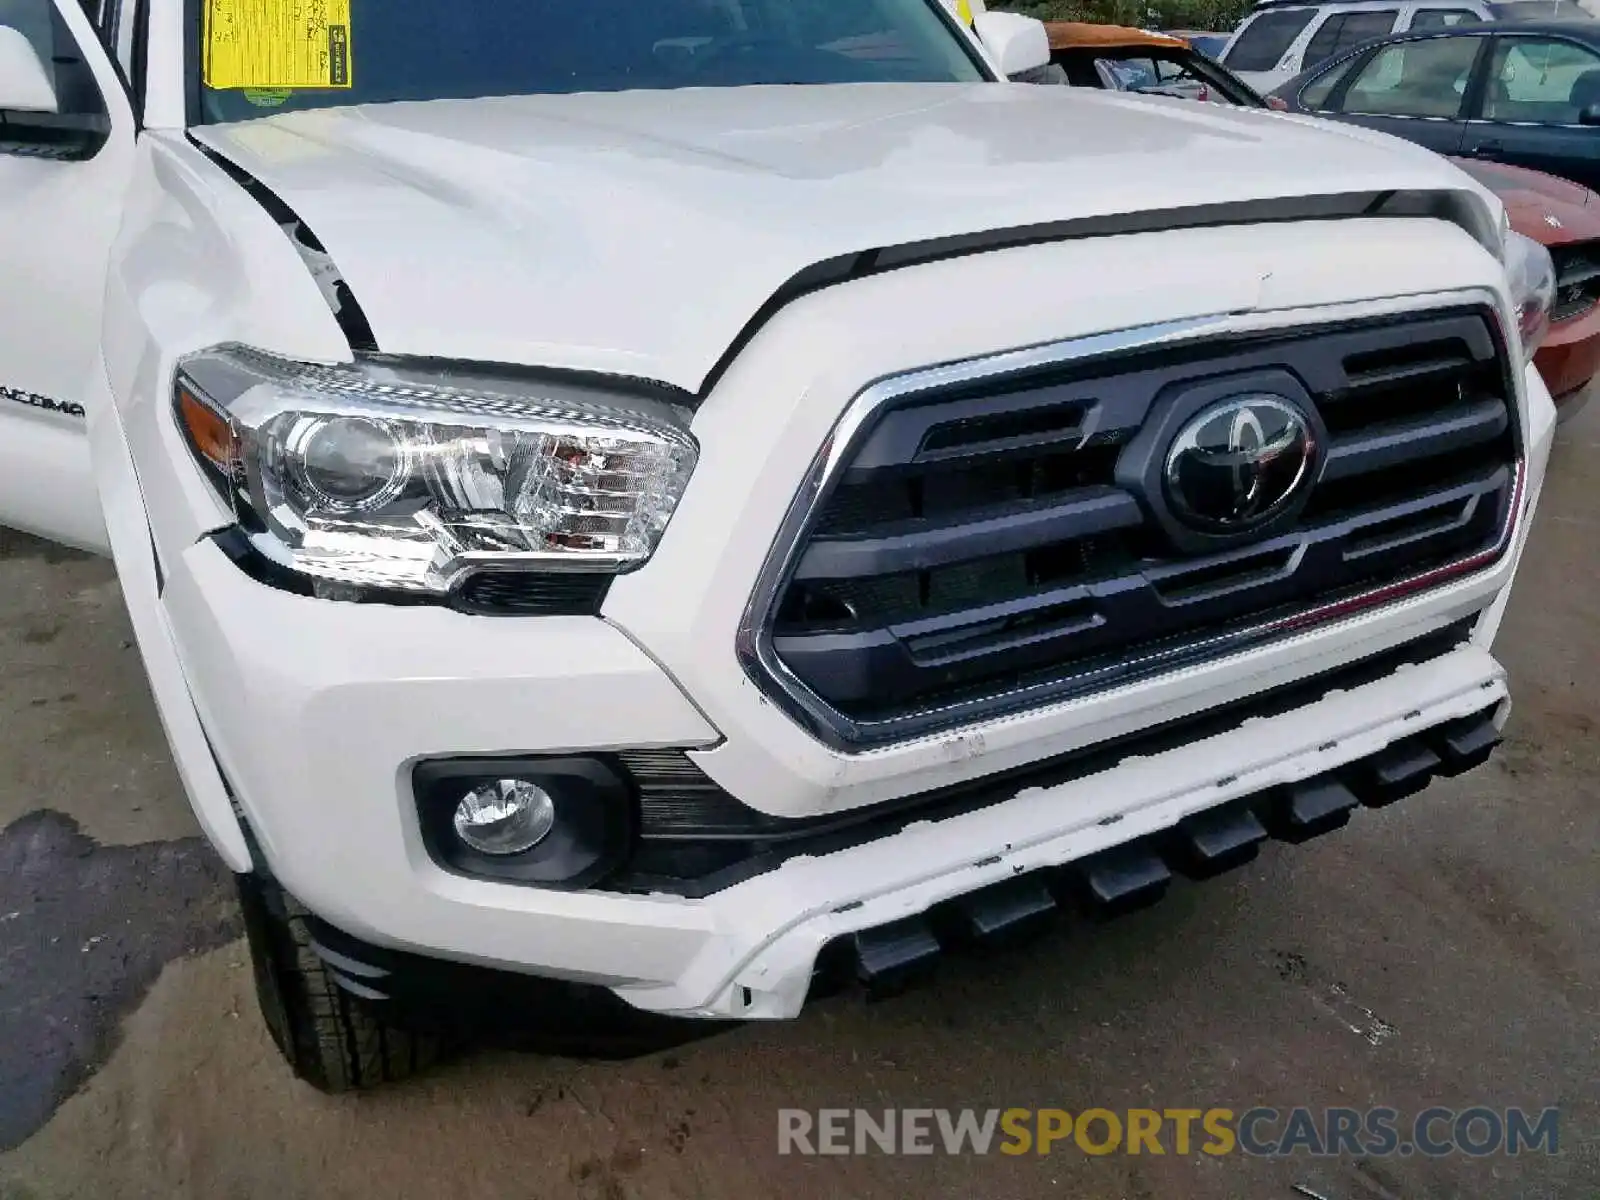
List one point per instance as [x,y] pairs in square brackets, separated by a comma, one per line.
[1440,952]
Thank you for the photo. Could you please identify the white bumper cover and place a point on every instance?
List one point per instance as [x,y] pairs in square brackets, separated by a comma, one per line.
[759,960]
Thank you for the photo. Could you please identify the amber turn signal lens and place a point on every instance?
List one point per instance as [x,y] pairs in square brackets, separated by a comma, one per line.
[209,433]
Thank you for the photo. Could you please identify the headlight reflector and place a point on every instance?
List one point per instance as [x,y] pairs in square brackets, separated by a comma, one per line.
[395,476]
[345,464]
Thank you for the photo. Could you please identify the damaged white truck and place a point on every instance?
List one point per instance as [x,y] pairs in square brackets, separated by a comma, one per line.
[691,504]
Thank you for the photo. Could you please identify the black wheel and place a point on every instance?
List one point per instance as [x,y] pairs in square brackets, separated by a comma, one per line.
[335,1041]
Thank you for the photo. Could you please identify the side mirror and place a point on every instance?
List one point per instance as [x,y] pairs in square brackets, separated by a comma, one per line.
[1016,43]
[1589,115]
[24,83]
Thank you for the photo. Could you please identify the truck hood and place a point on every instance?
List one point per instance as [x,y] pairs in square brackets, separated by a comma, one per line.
[638,233]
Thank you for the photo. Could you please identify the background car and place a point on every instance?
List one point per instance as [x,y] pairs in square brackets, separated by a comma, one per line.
[1562,216]
[1527,95]
[1281,38]
[1209,44]
[1565,218]
[1134,60]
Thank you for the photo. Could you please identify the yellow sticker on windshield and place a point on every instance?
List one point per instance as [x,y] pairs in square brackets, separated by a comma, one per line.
[964,11]
[274,44]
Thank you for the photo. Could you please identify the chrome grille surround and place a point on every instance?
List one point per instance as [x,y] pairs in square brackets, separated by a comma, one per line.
[1097,356]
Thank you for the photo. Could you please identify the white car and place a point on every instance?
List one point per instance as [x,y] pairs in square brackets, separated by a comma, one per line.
[1281,38]
[651,504]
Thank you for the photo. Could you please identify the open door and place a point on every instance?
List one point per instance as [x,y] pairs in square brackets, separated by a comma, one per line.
[66,155]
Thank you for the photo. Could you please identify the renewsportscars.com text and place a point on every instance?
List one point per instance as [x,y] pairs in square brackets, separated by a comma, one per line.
[1260,1132]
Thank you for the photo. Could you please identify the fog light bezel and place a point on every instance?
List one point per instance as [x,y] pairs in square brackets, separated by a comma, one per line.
[594,833]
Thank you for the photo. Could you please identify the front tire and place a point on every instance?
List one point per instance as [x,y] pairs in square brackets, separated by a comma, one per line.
[334,1040]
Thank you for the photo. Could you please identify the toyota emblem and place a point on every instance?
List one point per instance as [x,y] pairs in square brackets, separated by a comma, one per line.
[1239,463]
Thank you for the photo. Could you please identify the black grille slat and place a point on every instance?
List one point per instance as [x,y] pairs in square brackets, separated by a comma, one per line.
[935,590]
[921,544]
[1181,583]
[1577,279]
[1423,370]
[866,500]
[1398,485]
[513,593]
[681,801]
[871,671]
[1388,444]
[1038,421]
[1577,270]
[1426,520]
[990,631]
[1049,425]
[1568,306]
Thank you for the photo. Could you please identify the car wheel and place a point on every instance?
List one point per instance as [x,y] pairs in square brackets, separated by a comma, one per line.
[334,1040]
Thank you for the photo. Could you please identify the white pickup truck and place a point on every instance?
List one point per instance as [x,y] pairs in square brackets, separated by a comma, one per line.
[682,505]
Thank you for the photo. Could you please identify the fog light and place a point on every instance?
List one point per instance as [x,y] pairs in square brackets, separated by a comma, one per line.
[541,821]
[508,816]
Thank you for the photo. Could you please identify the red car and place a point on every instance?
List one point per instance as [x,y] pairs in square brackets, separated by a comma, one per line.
[1565,217]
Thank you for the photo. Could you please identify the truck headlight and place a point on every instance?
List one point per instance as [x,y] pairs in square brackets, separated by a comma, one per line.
[1531,276]
[410,477]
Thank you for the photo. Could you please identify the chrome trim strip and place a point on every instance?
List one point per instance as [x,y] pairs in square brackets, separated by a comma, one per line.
[753,640]
[1497,123]
[1399,116]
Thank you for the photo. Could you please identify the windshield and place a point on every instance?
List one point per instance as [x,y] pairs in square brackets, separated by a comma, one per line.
[247,64]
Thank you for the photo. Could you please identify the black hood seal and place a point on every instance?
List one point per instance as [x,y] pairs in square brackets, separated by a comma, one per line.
[1456,207]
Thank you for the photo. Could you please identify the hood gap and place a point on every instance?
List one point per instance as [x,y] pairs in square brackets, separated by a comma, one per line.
[330,281]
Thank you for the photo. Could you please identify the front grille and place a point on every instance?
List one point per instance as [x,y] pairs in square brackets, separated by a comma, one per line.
[1577,279]
[987,546]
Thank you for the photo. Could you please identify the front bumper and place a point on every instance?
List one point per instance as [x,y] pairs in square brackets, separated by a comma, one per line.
[319,741]
[1111,843]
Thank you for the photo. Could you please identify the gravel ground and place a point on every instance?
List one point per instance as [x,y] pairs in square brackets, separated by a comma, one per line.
[1440,952]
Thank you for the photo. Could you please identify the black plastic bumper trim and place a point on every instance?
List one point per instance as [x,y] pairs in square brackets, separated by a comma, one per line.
[1123,879]
[697,839]
[1463,745]
[1215,841]
[1000,911]
[892,956]
[1138,873]
[1311,808]
[1402,770]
